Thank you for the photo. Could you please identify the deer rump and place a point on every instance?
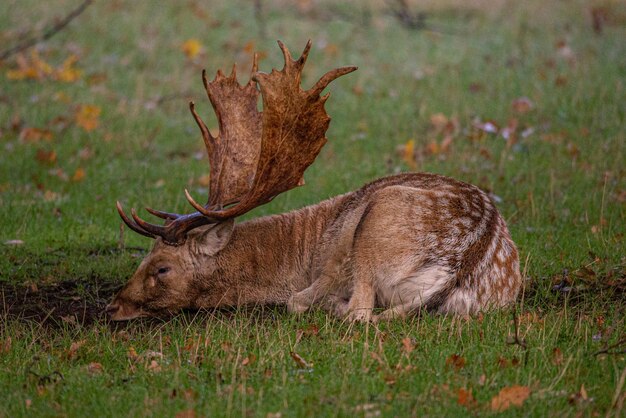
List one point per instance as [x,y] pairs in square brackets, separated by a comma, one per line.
[401,243]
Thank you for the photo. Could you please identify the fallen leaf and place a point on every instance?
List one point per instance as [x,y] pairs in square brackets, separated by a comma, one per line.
[455,361]
[46,157]
[248,360]
[154,366]
[74,347]
[88,117]
[6,346]
[95,368]
[408,345]
[579,397]
[191,47]
[132,353]
[34,67]
[79,174]
[509,396]
[522,105]
[35,135]
[50,196]
[301,362]
[465,398]
[557,356]
[67,72]
[188,413]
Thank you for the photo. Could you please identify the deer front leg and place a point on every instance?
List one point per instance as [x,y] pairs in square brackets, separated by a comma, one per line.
[363,297]
[320,288]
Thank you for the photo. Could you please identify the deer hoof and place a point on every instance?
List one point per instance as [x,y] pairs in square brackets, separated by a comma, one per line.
[296,306]
[360,315]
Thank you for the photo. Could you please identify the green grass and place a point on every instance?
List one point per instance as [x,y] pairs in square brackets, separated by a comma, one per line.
[562,190]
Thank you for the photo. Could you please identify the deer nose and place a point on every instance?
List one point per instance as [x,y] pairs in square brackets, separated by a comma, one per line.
[111,309]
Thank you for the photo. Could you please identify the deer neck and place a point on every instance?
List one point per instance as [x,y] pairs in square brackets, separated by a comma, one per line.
[267,259]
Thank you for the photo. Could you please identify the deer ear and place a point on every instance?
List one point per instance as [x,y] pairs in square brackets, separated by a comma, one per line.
[211,239]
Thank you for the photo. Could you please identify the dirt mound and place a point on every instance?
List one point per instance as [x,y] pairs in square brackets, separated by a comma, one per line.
[75,302]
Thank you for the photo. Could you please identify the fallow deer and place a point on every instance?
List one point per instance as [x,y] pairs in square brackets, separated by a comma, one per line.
[401,243]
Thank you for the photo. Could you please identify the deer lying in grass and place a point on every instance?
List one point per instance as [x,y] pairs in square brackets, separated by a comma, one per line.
[401,242]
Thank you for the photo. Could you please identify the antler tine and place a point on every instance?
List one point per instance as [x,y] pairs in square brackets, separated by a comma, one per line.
[206,135]
[146,226]
[305,53]
[163,215]
[132,225]
[286,53]
[233,72]
[197,206]
[255,64]
[205,81]
[289,62]
[327,78]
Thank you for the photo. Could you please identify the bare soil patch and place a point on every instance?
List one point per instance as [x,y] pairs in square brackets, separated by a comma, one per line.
[75,302]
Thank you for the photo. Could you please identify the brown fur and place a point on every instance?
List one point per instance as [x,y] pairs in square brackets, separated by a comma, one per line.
[400,243]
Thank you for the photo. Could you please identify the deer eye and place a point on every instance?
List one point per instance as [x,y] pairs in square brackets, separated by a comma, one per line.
[163,270]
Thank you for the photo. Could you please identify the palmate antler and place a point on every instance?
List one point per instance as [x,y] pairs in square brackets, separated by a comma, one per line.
[257,155]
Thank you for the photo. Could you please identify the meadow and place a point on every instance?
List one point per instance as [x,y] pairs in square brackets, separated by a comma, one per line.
[524,99]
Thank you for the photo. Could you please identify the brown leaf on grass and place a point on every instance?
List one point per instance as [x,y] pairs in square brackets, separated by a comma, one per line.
[46,157]
[6,345]
[438,121]
[249,360]
[578,397]
[88,117]
[51,196]
[301,362]
[465,398]
[79,174]
[522,105]
[74,347]
[35,135]
[85,153]
[132,353]
[408,345]
[67,72]
[455,361]
[557,356]
[94,368]
[154,366]
[510,396]
[34,67]
[188,413]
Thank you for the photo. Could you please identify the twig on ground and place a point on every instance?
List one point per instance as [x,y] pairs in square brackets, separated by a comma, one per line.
[608,348]
[409,19]
[56,28]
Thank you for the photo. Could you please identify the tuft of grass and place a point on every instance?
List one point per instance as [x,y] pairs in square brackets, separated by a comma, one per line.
[560,183]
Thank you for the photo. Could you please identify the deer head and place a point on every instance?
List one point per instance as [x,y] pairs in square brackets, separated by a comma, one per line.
[256,156]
